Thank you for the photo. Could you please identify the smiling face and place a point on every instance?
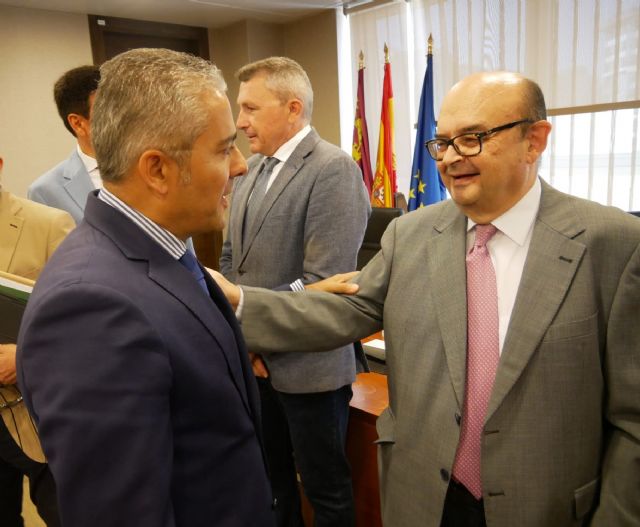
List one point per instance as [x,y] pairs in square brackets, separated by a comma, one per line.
[487,185]
[199,191]
[264,118]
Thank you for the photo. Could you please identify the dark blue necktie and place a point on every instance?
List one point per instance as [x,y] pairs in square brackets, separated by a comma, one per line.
[190,262]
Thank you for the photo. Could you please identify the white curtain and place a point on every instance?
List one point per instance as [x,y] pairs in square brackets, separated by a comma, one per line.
[581,52]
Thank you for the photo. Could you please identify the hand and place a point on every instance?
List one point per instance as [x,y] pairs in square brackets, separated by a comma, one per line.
[231,291]
[7,363]
[338,283]
[258,365]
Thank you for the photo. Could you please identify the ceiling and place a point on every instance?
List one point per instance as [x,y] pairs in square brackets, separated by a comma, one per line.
[203,13]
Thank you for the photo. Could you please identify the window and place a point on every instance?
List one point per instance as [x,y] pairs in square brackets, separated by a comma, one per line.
[583,53]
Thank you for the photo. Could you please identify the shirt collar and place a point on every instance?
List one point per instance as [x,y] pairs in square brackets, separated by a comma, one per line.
[168,241]
[284,152]
[517,221]
[89,162]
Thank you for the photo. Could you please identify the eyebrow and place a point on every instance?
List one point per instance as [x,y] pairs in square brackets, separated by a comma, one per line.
[465,130]
[231,139]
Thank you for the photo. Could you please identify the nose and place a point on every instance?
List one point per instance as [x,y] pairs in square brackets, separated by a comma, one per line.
[450,156]
[241,122]
[238,166]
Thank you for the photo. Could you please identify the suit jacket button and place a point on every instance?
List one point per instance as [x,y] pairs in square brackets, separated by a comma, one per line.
[241,271]
[444,474]
[458,418]
[274,503]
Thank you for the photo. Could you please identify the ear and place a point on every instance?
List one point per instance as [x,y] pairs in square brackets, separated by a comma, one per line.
[295,109]
[79,124]
[158,171]
[537,135]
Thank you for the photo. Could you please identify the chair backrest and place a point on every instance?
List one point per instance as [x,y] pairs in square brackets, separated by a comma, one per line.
[378,222]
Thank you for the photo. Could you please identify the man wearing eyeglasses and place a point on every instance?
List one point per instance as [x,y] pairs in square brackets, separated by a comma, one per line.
[511,326]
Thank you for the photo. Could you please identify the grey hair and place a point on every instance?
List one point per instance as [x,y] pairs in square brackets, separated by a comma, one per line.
[285,78]
[150,99]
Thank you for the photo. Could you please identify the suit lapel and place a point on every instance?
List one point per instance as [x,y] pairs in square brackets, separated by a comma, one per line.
[77,181]
[290,169]
[10,229]
[551,264]
[240,200]
[447,276]
[177,281]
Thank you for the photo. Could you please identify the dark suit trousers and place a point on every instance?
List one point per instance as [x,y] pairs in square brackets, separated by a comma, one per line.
[308,432]
[14,464]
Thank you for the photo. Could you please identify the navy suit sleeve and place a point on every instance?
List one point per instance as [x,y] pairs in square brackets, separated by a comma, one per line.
[104,411]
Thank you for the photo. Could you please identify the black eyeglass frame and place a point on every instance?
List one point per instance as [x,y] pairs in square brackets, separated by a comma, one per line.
[478,135]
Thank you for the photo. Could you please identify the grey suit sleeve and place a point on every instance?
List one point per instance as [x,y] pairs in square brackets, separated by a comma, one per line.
[336,219]
[620,491]
[273,321]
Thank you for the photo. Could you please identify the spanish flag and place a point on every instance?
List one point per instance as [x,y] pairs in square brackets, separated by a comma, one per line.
[360,149]
[384,181]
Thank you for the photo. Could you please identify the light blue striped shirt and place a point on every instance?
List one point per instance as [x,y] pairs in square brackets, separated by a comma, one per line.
[169,242]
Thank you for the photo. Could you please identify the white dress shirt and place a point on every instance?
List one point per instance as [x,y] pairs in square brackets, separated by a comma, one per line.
[508,249]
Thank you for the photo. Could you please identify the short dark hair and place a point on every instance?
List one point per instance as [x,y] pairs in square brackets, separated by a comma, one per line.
[72,91]
[533,99]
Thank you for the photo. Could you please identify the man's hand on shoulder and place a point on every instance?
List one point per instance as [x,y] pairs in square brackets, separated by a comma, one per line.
[338,283]
[231,291]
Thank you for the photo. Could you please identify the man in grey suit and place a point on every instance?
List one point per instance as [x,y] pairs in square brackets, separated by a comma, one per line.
[298,216]
[67,185]
[558,440]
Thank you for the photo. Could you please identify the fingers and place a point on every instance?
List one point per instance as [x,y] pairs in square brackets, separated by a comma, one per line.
[258,366]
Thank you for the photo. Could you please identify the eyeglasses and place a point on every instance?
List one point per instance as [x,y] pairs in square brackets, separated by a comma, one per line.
[468,144]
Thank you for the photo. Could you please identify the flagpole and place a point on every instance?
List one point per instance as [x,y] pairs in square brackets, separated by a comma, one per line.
[426,186]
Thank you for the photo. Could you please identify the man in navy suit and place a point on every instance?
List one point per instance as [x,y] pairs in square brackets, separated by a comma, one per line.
[130,360]
[67,185]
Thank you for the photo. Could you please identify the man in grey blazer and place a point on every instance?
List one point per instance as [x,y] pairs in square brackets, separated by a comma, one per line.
[67,185]
[291,224]
[559,441]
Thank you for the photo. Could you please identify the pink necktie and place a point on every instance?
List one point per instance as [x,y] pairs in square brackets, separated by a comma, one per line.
[482,358]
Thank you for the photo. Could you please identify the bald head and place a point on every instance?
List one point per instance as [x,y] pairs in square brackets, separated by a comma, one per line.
[491,91]
[505,113]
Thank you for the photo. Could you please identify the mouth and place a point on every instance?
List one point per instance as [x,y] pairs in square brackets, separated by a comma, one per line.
[463,179]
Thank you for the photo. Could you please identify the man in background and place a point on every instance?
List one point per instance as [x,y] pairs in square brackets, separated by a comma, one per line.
[67,185]
[511,329]
[297,217]
[29,234]
[131,361]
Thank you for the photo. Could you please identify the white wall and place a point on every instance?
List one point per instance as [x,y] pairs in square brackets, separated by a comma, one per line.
[36,47]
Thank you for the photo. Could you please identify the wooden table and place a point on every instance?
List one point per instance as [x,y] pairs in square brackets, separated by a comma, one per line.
[370,398]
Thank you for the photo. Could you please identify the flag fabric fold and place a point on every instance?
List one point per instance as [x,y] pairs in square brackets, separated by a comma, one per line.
[426,185]
[384,181]
[360,150]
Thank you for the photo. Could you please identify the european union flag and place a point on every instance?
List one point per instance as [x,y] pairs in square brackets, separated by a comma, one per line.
[426,185]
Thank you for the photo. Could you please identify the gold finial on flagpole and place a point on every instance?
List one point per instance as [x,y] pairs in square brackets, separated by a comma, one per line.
[386,53]
[361,61]
[430,45]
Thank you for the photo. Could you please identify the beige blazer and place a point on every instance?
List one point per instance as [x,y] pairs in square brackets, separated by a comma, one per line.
[29,233]
[561,443]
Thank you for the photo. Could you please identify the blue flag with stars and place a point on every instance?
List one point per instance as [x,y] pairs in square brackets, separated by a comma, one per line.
[426,185]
